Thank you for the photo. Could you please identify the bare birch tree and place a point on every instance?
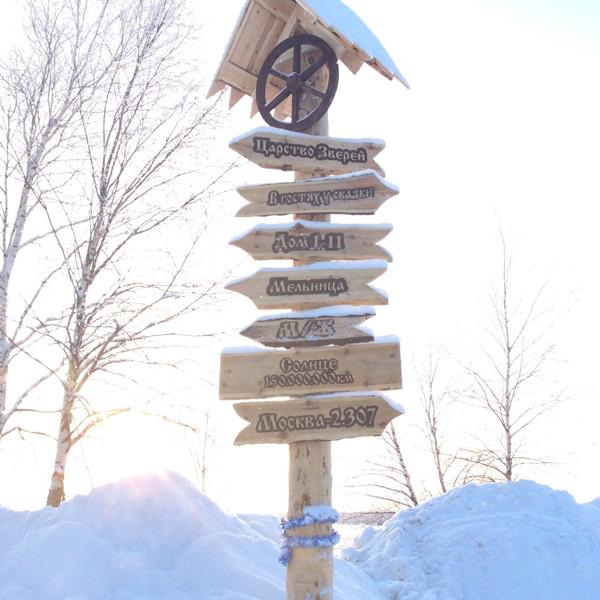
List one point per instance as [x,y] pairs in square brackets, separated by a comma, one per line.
[509,383]
[138,136]
[43,85]
[389,478]
[435,400]
[439,397]
[397,486]
[201,449]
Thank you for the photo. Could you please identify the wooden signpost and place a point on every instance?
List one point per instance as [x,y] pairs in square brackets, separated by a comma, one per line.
[311,328]
[307,240]
[277,149]
[312,418]
[330,366]
[270,373]
[311,286]
[358,193]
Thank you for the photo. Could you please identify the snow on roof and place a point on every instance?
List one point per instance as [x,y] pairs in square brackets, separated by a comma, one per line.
[264,23]
[338,17]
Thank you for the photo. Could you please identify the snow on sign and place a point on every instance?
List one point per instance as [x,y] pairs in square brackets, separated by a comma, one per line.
[273,148]
[312,286]
[314,418]
[361,192]
[250,373]
[337,325]
[306,240]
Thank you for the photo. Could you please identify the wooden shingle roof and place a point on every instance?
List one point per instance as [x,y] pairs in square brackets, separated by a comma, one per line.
[265,23]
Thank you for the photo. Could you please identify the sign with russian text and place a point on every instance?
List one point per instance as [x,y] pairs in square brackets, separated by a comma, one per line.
[311,286]
[311,328]
[361,192]
[314,418]
[248,374]
[273,148]
[306,240]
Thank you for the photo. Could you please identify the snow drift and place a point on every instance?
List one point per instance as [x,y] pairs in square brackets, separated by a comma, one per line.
[156,537]
[147,538]
[517,541]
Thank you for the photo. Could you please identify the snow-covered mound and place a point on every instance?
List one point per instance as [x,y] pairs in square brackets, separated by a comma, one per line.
[147,538]
[157,538]
[516,541]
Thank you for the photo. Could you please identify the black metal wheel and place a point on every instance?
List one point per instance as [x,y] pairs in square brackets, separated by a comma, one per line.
[305,68]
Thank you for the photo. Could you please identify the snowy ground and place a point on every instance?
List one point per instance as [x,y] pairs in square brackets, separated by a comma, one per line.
[157,538]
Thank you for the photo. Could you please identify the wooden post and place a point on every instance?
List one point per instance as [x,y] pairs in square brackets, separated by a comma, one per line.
[346,179]
[310,571]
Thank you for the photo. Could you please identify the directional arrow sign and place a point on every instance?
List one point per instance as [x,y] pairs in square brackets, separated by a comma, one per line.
[314,418]
[336,325]
[247,374]
[358,193]
[306,240]
[287,150]
[311,286]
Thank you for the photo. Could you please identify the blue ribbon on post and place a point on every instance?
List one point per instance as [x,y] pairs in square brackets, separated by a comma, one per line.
[315,541]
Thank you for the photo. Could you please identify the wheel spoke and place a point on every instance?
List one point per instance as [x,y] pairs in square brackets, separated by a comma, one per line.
[314,91]
[301,69]
[296,106]
[278,74]
[283,95]
[297,58]
[308,73]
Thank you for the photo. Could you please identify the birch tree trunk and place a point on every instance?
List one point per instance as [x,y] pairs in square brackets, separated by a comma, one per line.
[41,90]
[515,353]
[135,176]
[56,493]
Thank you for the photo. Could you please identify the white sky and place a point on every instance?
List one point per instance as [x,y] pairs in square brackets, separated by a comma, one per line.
[501,125]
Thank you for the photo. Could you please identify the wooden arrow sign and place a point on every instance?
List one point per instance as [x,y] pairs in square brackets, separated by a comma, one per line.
[358,193]
[247,374]
[306,240]
[311,328]
[316,418]
[288,150]
[312,286]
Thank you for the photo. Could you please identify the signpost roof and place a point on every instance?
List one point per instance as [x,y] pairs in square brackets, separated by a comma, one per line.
[265,23]
[354,33]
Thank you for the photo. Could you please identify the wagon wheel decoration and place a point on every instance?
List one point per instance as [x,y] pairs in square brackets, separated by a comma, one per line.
[300,67]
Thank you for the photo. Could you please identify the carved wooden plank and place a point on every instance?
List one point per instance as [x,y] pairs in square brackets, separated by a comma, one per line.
[216,86]
[312,286]
[307,240]
[251,33]
[314,418]
[279,149]
[248,374]
[241,79]
[235,96]
[311,328]
[358,193]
